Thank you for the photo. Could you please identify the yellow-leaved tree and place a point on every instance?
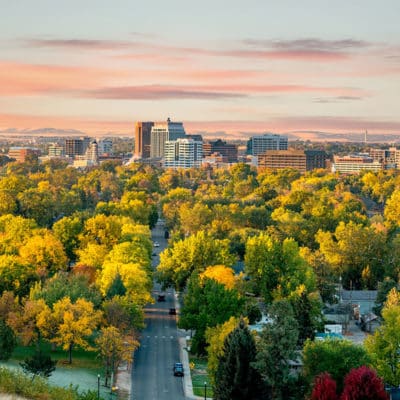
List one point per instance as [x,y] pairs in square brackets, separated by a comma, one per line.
[221,274]
[71,324]
[114,348]
[215,337]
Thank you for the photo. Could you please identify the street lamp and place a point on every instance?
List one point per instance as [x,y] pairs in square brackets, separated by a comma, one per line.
[205,390]
[98,386]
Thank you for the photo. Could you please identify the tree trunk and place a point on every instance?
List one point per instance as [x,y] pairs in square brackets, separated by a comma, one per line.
[70,353]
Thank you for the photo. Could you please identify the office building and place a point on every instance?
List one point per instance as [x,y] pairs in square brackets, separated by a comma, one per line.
[262,143]
[162,132]
[105,146]
[76,146]
[227,150]
[300,160]
[143,139]
[22,154]
[55,150]
[183,153]
[354,163]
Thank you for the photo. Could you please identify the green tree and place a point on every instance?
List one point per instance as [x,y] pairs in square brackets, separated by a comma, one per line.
[384,288]
[192,254]
[335,356]
[39,364]
[117,288]
[277,348]
[383,346]
[207,303]
[236,378]
[7,341]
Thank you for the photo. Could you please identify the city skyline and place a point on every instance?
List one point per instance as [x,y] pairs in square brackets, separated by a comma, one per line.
[224,71]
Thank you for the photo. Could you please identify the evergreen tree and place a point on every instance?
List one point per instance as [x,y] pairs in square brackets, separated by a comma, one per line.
[117,287]
[235,378]
[277,348]
[39,364]
[7,341]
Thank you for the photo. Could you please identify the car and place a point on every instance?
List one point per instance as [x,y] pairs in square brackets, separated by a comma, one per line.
[161,297]
[156,244]
[172,311]
[178,369]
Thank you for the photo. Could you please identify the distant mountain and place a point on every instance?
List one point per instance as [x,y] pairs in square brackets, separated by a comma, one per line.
[318,136]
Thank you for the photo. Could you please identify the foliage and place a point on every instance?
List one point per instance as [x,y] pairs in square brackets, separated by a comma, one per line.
[39,364]
[235,377]
[70,324]
[384,344]
[277,348]
[363,384]
[335,356]
[277,268]
[221,274]
[114,348]
[384,288]
[62,285]
[324,388]
[7,341]
[352,250]
[195,253]
[215,337]
[207,303]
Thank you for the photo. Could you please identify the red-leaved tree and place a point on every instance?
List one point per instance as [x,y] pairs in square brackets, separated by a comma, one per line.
[363,384]
[324,388]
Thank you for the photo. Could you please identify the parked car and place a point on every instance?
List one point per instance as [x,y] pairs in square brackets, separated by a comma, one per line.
[172,311]
[161,297]
[178,369]
[156,244]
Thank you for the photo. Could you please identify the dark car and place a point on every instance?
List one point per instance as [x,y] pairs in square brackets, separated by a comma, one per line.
[178,369]
[172,311]
[161,297]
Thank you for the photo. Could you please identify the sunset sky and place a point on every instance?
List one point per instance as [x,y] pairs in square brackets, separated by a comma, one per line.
[223,68]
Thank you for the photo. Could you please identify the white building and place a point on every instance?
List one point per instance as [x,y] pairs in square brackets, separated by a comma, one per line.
[105,146]
[354,163]
[183,153]
[269,141]
[161,132]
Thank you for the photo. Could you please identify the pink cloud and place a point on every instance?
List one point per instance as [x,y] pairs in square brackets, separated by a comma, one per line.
[18,79]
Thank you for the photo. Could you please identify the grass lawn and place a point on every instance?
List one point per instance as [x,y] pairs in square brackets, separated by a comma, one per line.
[199,376]
[82,372]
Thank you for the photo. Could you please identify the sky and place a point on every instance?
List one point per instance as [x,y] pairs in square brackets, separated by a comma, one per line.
[224,68]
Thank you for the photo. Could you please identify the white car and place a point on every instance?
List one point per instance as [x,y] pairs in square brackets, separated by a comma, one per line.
[156,244]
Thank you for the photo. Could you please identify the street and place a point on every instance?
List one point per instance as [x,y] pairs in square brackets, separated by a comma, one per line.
[152,376]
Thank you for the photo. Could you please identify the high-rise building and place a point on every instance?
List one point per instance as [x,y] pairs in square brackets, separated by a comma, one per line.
[142,139]
[298,159]
[183,153]
[76,146]
[162,132]
[262,143]
[228,150]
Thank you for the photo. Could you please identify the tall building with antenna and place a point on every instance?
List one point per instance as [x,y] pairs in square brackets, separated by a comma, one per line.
[366,137]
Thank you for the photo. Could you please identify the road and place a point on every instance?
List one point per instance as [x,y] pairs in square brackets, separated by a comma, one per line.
[152,377]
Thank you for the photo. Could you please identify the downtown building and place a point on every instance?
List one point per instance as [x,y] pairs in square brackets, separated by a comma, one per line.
[261,143]
[301,160]
[76,146]
[228,151]
[163,132]
[354,163]
[183,153]
[143,139]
